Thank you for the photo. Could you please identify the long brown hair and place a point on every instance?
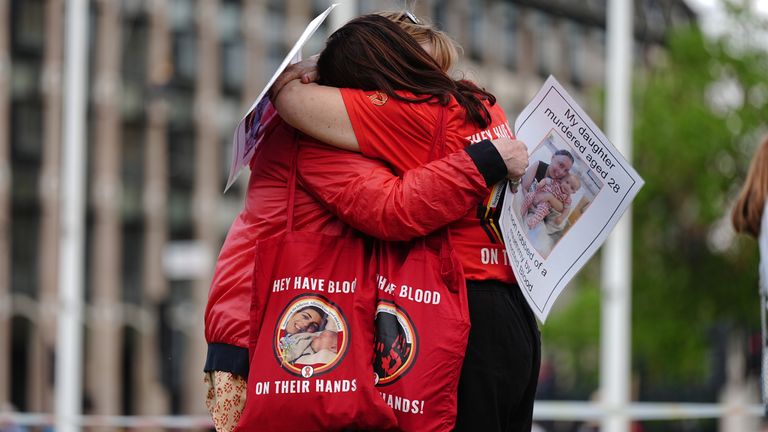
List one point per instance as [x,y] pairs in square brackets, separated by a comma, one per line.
[748,211]
[373,53]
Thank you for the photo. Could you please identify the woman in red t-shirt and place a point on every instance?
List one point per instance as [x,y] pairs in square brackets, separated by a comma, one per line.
[337,189]
[379,93]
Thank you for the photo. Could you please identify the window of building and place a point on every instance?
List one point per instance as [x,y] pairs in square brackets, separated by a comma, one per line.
[181,172]
[180,211]
[184,40]
[478,24]
[25,181]
[232,50]
[545,43]
[232,66]
[129,375]
[511,40]
[132,101]
[25,79]
[439,14]
[135,41]
[182,164]
[181,108]
[185,56]
[228,23]
[26,131]
[653,14]
[21,360]
[274,34]
[132,178]
[133,8]
[24,254]
[576,52]
[132,265]
[599,5]
[182,15]
[173,342]
[28,25]
[597,65]
[26,147]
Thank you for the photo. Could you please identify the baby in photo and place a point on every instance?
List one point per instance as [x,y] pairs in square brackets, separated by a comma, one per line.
[549,194]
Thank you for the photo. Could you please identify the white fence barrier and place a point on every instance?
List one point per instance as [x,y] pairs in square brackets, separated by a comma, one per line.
[568,410]
[544,410]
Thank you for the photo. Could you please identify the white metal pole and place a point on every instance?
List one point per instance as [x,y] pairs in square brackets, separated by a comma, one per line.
[615,334]
[69,368]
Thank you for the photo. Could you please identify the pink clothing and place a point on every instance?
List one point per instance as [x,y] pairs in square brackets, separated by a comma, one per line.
[543,208]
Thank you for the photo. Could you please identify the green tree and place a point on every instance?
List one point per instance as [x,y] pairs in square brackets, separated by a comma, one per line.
[697,117]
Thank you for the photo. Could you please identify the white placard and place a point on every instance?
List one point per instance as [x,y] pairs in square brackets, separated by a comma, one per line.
[546,248]
[244,140]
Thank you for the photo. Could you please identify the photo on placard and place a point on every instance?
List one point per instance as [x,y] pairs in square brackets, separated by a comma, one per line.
[556,191]
[252,124]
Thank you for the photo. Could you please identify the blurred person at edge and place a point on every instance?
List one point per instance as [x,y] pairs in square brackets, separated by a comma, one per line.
[394,203]
[749,216]
[383,99]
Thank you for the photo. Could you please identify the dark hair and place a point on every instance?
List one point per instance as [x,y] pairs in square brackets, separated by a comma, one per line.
[314,308]
[564,152]
[323,315]
[373,53]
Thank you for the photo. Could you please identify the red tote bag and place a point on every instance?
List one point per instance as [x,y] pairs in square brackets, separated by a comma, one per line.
[422,325]
[312,306]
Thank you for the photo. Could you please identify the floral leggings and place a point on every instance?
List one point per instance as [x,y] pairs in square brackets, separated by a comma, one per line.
[225,399]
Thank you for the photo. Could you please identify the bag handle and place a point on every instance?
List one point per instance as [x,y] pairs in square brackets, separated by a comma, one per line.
[294,159]
[437,150]
[447,264]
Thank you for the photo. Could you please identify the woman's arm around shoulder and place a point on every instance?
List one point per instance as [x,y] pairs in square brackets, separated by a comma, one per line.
[318,111]
[365,193]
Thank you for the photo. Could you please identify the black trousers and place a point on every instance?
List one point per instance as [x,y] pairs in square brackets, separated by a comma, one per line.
[501,368]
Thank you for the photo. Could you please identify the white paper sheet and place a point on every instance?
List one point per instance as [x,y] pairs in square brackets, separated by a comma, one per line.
[546,255]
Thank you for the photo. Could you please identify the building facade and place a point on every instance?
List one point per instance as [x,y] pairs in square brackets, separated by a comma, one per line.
[168,81]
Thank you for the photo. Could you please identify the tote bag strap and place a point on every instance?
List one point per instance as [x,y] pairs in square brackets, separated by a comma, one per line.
[442,238]
[436,150]
[294,158]
[438,138]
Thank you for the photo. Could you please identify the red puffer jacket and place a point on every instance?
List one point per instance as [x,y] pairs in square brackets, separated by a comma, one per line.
[337,189]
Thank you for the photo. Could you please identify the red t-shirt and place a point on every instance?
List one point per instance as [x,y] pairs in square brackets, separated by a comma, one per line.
[401,133]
